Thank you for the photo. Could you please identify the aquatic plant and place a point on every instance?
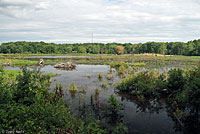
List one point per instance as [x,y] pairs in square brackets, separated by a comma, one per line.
[73,87]
[109,77]
[83,91]
[100,75]
[122,70]
[114,105]
[181,86]
[91,100]
[104,84]
[111,70]
[58,92]
[97,91]
[144,82]
[89,76]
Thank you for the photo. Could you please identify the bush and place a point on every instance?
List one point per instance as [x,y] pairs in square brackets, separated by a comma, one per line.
[176,81]
[114,105]
[144,82]
[28,106]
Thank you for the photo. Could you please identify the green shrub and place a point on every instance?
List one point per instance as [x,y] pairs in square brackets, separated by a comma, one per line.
[114,105]
[144,82]
[121,70]
[176,80]
[27,105]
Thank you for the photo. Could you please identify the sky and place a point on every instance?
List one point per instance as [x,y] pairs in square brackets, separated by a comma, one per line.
[123,21]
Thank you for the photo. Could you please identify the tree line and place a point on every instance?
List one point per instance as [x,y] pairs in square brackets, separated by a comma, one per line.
[191,48]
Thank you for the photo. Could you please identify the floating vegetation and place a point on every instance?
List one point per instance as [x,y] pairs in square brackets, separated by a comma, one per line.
[111,70]
[58,92]
[122,70]
[97,91]
[100,75]
[109,77]
[89,76]
[83,91]
[73,87]
[104,84]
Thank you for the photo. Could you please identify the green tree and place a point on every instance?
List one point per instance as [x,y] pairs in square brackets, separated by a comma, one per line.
[81,49]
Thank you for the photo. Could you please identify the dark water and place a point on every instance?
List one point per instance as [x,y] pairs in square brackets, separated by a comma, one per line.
[139,117]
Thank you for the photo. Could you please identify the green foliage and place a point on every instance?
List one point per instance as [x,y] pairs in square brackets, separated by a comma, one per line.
[109,77]
[89,76]
[121,70]
[180,86]
[68,49]
[73,87]
[114,105]
[117,65]
[120,129]
[12,74]
[17,62]
[143,82]
[6,95]
[177,80]
[97,91]
[81,49]
[191,91]
[29,85]
[161,83]
[104,84]
[100,75]
[83,91]
[26,104]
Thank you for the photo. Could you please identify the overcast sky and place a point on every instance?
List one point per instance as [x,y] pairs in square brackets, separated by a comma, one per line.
[69,21]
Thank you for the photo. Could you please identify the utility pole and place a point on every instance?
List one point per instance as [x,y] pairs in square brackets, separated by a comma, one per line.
[92,37]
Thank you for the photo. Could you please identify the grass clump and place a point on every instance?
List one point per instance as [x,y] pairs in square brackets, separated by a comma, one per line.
[89,76]
[83,91]
[109,77]
[73,87]
[97,91]
[104,84]
[12,73]
[100,75]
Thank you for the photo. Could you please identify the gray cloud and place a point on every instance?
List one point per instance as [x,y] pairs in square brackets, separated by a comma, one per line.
[14,3]
[109,20]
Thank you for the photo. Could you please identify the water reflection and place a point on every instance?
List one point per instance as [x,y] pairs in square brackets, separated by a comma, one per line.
[183,121]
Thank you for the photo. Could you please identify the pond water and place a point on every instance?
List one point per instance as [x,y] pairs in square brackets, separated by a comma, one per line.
[139,117]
